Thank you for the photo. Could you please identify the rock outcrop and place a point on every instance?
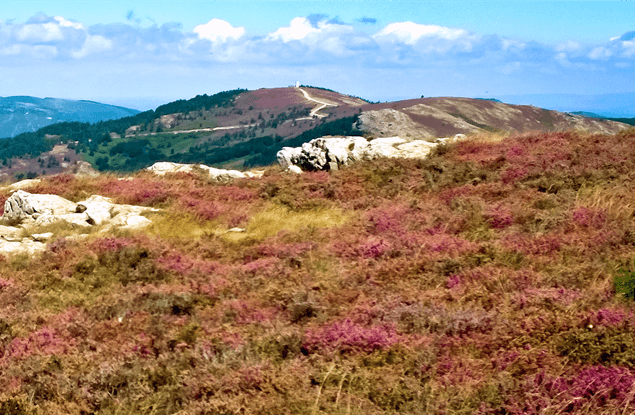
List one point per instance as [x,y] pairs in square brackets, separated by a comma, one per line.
[331,153]
[221,175]
[23,207]
[26,213]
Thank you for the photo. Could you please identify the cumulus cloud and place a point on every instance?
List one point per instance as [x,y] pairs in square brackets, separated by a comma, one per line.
[317,39]
[600,52]
[628,49]
[40,33]
[217,30]
[93,44]
[300,28]
[410,33]
[569,46]
[427,38]
[305,42]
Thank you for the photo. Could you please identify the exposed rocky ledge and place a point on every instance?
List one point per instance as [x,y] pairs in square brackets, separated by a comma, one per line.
[26,213]
[331,153]
[163,167]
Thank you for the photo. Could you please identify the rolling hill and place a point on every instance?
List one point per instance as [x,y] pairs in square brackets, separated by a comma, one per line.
[241,128]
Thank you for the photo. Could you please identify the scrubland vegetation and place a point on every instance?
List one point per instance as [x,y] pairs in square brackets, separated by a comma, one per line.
[495,277]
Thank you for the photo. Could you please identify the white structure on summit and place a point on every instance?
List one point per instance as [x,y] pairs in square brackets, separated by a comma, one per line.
[297,84]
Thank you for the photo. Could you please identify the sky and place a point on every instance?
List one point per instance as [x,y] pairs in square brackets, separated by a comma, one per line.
[141,54]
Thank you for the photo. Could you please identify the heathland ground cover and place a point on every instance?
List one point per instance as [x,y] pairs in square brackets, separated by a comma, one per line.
[495,277]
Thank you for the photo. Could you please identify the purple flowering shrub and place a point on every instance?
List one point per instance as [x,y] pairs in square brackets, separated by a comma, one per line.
[348,337]
[493,277]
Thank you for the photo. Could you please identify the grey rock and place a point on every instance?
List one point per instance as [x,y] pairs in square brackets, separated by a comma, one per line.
[164,167]
[331,153]
[22,206]
[25,246]
[75,220]
[22,184]
[99,209]
[9,232]
[42,237]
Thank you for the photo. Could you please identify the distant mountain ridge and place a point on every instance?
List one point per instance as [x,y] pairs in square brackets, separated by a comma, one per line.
[241,128]
[19,114]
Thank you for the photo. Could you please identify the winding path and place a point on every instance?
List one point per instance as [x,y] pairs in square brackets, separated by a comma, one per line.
[314,113]
[315,110]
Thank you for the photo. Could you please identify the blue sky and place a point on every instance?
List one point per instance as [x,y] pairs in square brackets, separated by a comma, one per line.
[145,53]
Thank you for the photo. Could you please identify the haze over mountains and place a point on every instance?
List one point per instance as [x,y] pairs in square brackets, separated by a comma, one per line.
[617,105]
[19,114]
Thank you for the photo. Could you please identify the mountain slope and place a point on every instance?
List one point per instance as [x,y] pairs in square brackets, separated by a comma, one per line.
[20,114]
[241,128]
[437,117]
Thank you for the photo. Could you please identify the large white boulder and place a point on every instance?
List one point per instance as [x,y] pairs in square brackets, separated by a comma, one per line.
[221,175]
[97,208]
[10,233]
[331,153]
[417,149]
[24,246]
[75,220]
[23,184]
[164,167]
[287,155]
[33,212]
[23,206]
[324,153]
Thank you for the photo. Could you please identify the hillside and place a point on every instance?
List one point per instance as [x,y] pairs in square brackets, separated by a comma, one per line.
[21,114]
[242,129]
[441,117]
[494,277]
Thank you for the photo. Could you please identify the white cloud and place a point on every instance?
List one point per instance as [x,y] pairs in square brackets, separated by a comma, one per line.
[40,32]
[629,48]
[299,28]
[563,59]
[512,45]
[67,23]
[44,51]
[334,38]
[93,44]
[219,30]
[12,50]
[600,53]
[410,33]
[569,46]
[310,43]
[426,38]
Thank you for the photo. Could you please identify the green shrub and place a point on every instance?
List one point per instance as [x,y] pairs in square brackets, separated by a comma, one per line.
[593,346]
[14,406]
[624,282]
[131,265]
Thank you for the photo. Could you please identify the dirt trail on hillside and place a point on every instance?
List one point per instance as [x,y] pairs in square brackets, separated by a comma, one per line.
[314,111]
